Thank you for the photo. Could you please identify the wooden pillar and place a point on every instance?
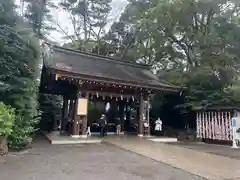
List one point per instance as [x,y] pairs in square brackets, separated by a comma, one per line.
[64,114]
[70,116]
[137,117]
[114,109]
[70,109]
[56,123]
[140,120]
[128,115]
[84,122]
[121,113]
[147,115]
[76,120]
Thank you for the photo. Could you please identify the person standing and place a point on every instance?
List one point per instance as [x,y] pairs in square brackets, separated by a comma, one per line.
[158,126]
[89,130]
[118,126]
[102,124]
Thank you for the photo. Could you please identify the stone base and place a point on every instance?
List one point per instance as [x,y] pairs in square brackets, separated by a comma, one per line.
[108,133]
[163,139]
[83,136]
[75,139]
[75,136]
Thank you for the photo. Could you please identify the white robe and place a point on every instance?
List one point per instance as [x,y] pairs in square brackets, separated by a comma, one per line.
[88,131]
[158,125]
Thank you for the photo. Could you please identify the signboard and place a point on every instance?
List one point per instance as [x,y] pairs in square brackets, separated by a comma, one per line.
[82,107]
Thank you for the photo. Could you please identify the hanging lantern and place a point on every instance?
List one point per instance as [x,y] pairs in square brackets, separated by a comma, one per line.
[133,98]
[97,95]
[57,76]
[121,97]
[111,96]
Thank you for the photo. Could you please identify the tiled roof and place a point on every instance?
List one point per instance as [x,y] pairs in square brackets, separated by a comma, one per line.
[100,67]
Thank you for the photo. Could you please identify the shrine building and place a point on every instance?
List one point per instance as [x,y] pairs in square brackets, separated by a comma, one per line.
[81,77]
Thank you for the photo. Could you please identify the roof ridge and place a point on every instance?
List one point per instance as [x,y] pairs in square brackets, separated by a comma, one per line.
[106,58]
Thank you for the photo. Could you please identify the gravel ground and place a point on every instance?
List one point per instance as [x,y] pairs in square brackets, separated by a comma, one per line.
[86,162]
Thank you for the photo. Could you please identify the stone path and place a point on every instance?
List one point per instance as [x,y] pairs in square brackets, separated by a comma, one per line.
[206,165]
[220,150]
[86,162]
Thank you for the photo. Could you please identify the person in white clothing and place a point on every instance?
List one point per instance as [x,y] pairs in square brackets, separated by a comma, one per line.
[158,126]
[88,130]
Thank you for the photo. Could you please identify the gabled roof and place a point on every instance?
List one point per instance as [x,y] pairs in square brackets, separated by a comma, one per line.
[93,66]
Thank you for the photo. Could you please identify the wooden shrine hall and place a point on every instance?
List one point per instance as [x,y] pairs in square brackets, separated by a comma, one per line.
[80,76]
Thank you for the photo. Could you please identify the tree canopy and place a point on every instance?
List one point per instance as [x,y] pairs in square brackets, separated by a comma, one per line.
[189,43]
[19,72]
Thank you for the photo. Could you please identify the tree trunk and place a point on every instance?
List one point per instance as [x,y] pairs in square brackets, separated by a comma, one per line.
[3,146]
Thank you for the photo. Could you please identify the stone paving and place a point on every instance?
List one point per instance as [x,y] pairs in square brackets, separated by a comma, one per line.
[204,164]
[220,150]
[86,162]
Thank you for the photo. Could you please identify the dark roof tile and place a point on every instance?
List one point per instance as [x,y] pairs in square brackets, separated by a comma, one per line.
[88,64]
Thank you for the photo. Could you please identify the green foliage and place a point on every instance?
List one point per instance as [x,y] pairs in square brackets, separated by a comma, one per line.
[7,117]
[88,18]
[19,73]
[189,42]
[38,16]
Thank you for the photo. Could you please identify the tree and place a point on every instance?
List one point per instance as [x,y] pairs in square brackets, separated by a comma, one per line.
[7,117]
[88,19]
[189,43]
[124,34]
[19,65]
[38,15]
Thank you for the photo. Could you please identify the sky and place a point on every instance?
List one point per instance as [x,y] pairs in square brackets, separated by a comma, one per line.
[61,18]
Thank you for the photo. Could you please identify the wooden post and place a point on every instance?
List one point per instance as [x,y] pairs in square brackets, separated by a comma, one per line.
[128,116]
[137,117]
[76,120]
[84,122]
[121,113]
[70,112]
[70,116]
[141,112]
[148,117]
[64,114]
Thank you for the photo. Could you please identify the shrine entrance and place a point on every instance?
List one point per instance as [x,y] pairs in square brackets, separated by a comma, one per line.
[85,79]
[125,110]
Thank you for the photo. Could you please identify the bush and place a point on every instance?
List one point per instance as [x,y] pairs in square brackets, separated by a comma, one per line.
[7,117]
[26,120]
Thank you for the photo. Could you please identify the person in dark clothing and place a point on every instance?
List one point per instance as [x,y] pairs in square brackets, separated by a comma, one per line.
[118,126]
[102,124]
